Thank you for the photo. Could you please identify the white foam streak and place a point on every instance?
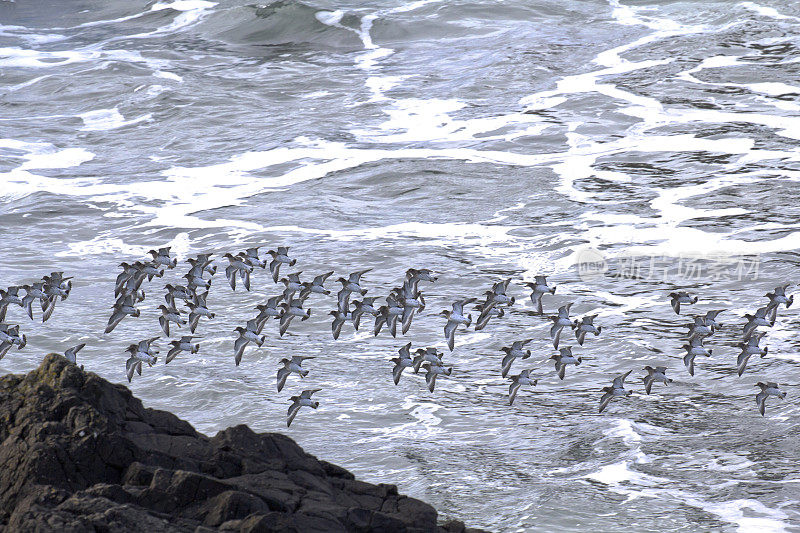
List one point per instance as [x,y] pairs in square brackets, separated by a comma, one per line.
[663,233]
[20,182]
[25,58]
[68,157]
[167,75]
[190,190]
[411,6]
[733,512]
[108,119]
[102,246]
[617,473]
[183,5]
[186,191]
[773,88]
[629,16]
[622,479]
[766,11]
[190,12]
[329,17]
[23,33]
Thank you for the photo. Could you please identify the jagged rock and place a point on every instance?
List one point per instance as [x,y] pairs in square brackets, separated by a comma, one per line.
[78,453]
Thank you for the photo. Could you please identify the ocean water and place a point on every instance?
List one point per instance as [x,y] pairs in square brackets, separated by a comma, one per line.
[481,139]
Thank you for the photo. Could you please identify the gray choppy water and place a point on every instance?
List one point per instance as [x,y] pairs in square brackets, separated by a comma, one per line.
[480,139]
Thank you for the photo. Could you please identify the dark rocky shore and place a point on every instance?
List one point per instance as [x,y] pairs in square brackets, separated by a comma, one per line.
[79,453]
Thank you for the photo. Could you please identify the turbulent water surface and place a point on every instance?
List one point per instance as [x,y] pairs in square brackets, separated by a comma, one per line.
[481,139]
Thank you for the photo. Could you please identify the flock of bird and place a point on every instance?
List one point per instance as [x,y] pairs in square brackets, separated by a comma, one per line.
[402,303]
[49,291]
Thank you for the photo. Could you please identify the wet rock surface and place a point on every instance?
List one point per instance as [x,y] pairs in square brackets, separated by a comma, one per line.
[79,453]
